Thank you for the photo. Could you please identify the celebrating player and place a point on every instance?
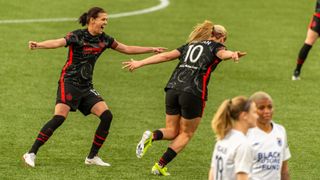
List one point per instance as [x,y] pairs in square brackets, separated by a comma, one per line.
[232,156]
[186,91]
[312,36]
[75,90]
[269,141]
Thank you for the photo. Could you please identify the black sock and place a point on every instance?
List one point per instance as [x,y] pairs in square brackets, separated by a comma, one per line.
[168,156]
[304,51]
[157,135]
[46,131]
[101,133]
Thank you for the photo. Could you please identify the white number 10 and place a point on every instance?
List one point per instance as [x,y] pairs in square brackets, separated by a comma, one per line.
[190,52]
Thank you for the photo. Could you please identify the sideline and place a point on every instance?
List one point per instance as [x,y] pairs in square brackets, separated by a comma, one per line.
[163,4]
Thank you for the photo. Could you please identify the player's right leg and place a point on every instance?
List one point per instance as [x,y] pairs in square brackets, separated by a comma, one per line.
[312,36]
[61,112]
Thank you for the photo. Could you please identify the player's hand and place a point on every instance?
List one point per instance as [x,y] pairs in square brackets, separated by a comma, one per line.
[236,55]
[33,45]
[131,65]
[158,50]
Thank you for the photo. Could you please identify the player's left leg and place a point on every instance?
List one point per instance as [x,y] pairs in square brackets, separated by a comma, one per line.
[187,129]
[102,111]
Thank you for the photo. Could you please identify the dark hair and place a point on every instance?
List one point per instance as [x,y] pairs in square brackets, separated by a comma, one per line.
[92,13]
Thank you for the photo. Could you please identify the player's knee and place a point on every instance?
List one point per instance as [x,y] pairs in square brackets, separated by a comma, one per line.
[172,133]
[106,116]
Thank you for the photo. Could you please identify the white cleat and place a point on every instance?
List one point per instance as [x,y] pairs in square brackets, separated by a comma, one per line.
[295,78]
[144,144]
[96,161]
[29,159]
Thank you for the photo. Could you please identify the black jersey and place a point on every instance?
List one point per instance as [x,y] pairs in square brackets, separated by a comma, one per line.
[317,10]
[84,50]
[192,73]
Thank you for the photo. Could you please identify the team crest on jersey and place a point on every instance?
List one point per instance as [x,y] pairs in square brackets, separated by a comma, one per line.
[279,141]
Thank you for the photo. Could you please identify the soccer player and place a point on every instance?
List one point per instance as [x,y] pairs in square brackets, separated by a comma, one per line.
[75,90]
[312,36]
[269,141]
[186,91]
[232,156]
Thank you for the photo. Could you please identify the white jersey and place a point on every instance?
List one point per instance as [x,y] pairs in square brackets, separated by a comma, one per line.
[270,150]
[231,155]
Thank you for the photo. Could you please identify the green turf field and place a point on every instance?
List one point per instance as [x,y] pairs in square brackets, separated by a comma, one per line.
[271,32]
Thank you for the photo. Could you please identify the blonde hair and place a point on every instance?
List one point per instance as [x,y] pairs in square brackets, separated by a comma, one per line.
[260,95]
[220,31]
[227,113]
[201,32]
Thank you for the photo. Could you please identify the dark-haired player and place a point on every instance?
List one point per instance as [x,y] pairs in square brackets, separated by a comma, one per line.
[75,90]
[312,36]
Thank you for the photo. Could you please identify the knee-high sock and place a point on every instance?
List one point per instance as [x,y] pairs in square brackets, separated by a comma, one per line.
[46,131]
[167,157]
[101,133]
[303,54]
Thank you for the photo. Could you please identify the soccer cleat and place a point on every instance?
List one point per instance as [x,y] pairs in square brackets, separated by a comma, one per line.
[29,159]
[161,171]
[96,161]
[144,144]
[296,75]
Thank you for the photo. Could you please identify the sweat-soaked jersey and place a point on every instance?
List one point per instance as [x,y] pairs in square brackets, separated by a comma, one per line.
[84,50]
[197,61]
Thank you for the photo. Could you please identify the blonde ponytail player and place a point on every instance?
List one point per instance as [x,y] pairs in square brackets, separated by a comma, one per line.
[232,157]
[269,142]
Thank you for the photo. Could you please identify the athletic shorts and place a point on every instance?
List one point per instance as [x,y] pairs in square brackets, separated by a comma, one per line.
[185,104]
[315,23]
[78,98]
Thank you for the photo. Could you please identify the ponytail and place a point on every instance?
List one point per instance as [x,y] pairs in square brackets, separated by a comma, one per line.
[227,113]
[92,13]
[83,19]
[201,32]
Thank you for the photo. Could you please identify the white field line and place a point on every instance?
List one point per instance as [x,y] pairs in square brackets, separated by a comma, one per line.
[163,4]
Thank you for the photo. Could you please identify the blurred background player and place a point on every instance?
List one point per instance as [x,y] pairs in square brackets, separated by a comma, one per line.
[186,91]
[233,156]
[75,90]
[269,142]
[312,36]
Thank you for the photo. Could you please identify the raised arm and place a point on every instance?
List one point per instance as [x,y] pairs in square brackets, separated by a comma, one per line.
[49,44]
[159,58]
[226,54]
[137,49]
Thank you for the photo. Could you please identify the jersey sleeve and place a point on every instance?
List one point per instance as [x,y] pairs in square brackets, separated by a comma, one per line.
[71,38]
[181,48]
[110,41]
[218,48]
[243,158]
[286,151]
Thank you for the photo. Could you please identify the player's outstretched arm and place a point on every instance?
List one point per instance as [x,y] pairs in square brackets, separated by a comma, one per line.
[226,55]
[159,58]
[138,49]
[48,44]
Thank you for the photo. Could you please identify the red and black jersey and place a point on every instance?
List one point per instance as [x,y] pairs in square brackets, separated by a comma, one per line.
[84,50]
[197,61]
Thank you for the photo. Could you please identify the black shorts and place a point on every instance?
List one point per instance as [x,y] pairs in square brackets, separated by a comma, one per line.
[315,23]
[185,104]
[78,98]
